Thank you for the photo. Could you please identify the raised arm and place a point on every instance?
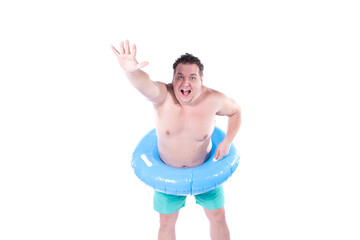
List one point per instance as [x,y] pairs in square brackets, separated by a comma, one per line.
[153,91]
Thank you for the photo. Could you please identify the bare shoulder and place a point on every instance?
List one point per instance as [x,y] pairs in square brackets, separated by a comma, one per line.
[169,87]
[161,84]
[167,94]
[214,94]
[225,105]
[170,90]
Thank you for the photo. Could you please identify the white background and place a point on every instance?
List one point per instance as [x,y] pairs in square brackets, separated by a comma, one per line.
[70,120]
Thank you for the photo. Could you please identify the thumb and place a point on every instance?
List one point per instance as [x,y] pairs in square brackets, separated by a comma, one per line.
[142,64]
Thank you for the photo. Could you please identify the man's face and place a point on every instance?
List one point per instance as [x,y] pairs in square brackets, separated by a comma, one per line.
[187,83]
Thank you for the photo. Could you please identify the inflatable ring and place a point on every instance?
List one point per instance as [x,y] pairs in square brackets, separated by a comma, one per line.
[149,168]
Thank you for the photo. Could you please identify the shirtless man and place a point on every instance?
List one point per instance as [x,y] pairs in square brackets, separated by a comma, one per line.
[185,119]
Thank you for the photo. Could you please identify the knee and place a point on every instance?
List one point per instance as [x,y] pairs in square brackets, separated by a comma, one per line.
[168,220]
[216,216]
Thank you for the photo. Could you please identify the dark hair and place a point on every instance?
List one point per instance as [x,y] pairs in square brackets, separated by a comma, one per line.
[188,58]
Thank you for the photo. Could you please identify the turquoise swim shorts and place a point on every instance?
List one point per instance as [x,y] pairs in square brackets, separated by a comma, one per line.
[166,204]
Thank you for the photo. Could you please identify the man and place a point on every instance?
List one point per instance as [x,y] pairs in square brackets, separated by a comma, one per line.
[185,113]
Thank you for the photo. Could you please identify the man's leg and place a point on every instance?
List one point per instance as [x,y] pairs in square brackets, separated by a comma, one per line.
[168,207]
[213,203]
[218,226]
[167,226]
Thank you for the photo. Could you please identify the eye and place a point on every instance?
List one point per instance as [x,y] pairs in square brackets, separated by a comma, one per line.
[192,78]
[180,77]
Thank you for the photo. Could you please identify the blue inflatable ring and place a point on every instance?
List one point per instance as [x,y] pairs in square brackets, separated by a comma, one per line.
[149,168]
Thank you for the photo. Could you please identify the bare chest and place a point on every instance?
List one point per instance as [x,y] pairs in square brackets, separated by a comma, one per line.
[187,123]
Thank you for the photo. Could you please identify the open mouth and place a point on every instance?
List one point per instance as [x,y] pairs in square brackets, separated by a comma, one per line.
[185,92]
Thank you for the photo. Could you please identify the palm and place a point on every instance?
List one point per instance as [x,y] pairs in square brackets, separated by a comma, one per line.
[127,58]
[128,63]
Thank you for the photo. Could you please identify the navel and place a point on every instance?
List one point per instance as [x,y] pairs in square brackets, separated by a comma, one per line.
[205,137]
[167,132]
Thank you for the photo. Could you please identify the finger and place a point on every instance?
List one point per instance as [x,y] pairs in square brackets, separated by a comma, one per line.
[122,51]
[216,155]
[127,47]
[133,50]
[114,50]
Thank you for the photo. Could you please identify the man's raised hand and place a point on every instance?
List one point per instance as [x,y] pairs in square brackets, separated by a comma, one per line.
[127,58]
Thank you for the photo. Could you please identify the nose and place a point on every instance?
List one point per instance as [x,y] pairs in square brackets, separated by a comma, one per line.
[186,80]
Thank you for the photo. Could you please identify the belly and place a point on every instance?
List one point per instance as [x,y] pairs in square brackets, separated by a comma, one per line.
[182,154]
